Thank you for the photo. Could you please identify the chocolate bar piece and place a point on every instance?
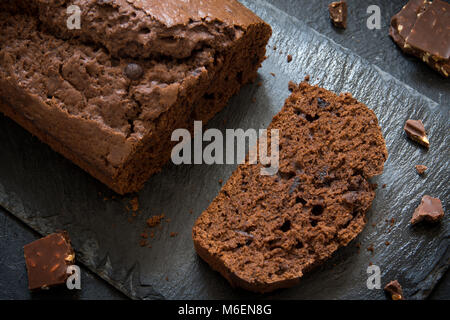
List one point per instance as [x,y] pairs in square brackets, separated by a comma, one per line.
[47,260]
[338,13]
[395,290]
[416,131]
[422,29]
[429,210]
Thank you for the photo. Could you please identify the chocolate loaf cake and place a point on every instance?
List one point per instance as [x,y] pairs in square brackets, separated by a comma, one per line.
[109,95]
[264,232]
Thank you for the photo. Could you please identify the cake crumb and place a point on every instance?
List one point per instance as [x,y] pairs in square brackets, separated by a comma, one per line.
[307,78]
[167,278]
[155,220]
[134,202]
[144,235]
[272,74]
[143,243]
[289,58]
[387,243]
[421,169]
[173,234]
[384,186]
[371,249]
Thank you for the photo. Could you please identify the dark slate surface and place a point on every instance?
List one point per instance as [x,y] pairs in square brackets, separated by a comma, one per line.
[49,193]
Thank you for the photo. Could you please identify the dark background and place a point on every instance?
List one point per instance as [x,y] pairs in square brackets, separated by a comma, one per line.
[375,46]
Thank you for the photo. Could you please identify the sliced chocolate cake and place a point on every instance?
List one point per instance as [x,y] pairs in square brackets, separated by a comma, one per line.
[264,232]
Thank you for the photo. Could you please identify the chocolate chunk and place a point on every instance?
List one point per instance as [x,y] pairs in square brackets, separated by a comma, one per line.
[351,197]
[421,169]
[47,260]
[295,226]
[338,13]
[421,29]
[133,71]
[429,210]
[416,131]
[395,290]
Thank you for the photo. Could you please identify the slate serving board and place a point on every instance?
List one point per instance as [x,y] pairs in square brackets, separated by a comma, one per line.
[49,193]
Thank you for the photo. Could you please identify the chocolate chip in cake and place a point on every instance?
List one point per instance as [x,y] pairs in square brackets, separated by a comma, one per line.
[47,260]
[293,227]
[416,131]
[292,85]
[104,2]
[133,71]
[429,210]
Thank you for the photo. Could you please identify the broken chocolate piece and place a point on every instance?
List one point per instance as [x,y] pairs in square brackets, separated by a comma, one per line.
[338,13]
[421,29]
[429,210]
[47,260]
[395,290]
[133,71]
[421,169]
[416,131]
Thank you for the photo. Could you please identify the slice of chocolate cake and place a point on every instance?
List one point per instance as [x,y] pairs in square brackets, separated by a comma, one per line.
[264,232]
